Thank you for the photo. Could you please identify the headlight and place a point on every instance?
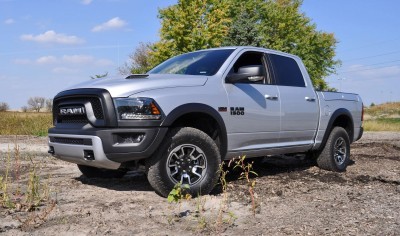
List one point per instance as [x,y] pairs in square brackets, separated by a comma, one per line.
[137,109]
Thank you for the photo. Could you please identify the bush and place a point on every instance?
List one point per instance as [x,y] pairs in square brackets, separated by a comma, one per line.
[4,106]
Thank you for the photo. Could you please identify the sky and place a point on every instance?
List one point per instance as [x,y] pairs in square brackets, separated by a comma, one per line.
[47,46]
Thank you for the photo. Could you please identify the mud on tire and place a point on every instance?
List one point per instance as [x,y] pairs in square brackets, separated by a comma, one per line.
[187,155]
[335,156]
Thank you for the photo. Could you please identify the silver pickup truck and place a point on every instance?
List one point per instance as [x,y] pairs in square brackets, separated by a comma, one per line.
[195,110]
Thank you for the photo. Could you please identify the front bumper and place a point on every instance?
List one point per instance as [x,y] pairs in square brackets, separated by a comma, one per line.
[104,148]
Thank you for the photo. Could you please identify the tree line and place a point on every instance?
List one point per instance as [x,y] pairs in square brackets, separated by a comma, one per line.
[192,25]
[35,104]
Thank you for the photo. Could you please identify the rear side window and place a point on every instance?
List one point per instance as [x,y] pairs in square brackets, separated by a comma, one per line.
[286,70]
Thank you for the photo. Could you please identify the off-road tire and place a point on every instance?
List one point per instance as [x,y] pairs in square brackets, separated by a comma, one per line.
[167,165]
[94,172]
[335,156]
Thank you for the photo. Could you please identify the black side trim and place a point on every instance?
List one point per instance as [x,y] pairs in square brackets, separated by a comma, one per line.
[200,108]
[335,115]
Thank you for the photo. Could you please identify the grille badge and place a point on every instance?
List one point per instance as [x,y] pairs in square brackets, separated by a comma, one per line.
[71,111]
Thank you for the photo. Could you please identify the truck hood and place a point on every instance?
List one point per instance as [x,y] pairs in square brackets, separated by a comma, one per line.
[126,87]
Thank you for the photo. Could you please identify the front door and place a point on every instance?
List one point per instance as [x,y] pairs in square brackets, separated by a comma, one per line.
[254,108]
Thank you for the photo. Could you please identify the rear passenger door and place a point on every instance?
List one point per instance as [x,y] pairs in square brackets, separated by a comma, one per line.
[299,105]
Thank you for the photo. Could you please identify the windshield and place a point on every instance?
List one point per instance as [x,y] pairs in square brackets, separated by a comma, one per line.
[194,63]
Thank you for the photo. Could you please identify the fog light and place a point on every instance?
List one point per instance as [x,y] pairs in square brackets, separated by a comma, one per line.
[88,155]
[51,150]
[130,138]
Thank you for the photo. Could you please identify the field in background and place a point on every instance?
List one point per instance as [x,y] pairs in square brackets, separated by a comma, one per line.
[383,117]
[21,123]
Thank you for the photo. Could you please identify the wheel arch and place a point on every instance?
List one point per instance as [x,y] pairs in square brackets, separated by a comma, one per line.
[189,114]
[340,118]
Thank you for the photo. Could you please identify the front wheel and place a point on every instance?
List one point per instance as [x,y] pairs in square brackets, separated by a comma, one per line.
[335,156]
[188,156]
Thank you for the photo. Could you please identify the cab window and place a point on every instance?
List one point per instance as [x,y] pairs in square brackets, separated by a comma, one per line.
[286,71]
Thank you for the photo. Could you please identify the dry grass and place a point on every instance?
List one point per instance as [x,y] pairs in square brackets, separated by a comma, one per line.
[383,124]
[386,110]
[383,117]
[18,123]
[23,189]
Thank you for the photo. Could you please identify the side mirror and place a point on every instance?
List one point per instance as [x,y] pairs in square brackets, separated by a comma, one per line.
[252,73]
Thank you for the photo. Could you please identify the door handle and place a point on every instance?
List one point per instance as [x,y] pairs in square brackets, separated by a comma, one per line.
[269,97]
[310,99]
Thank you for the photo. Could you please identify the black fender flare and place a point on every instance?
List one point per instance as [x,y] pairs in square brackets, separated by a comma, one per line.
[335,115]
[200,108]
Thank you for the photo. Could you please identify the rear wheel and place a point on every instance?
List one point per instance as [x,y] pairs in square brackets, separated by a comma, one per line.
[188,156]
[94,172]
[335,156]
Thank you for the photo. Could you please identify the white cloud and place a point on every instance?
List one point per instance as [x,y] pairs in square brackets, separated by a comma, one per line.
[52,37]
[9,21]
[86,2]
[46,60]
[114,23]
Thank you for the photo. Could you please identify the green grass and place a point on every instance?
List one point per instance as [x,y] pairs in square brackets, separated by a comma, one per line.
[18,123]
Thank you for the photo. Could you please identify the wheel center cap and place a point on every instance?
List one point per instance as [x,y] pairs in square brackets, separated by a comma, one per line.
[186,163]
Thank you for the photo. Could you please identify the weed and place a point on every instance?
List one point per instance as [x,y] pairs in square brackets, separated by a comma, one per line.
[178,193]
[247,169]
[222,207]
[19,197]
[207,219]
[4,184]
[33,196]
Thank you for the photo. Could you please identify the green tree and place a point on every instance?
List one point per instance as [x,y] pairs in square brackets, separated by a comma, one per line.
[285,28]
[191,25]
[243,31]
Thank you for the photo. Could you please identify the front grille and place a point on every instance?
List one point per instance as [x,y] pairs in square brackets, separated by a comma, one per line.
[77,101]
[73,120]
[81,107]
[73,141]
[97,109]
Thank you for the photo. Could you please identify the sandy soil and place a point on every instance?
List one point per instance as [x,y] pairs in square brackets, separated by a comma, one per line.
[292,197]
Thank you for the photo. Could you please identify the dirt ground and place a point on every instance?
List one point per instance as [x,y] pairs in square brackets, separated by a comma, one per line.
[293,197]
